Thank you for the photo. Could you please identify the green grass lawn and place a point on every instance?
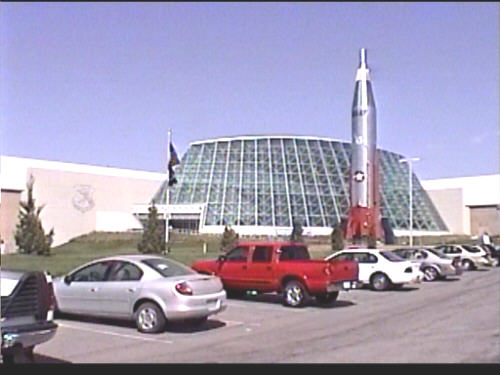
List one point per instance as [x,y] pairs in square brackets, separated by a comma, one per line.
[185,249]
[83,249]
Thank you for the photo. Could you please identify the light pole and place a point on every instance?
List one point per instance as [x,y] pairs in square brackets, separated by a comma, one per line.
[410,191]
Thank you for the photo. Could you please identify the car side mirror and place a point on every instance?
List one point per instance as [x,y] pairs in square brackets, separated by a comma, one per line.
[68,279]
[222,258]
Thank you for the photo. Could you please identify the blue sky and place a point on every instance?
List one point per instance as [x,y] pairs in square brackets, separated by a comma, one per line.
[101,83]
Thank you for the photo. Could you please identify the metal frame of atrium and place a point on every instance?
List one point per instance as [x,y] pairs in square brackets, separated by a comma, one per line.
[261,184]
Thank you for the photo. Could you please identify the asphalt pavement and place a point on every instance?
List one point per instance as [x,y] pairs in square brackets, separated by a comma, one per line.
[451,321]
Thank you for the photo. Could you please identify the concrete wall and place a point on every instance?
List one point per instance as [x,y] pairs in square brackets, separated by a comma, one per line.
[449,203]
[468,205]
[9,218]
[485,219]
[77,199]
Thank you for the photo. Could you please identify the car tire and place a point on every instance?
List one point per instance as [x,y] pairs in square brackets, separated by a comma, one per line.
[149,318]
[295,294]
[327,298]
[430,274]
[379,281]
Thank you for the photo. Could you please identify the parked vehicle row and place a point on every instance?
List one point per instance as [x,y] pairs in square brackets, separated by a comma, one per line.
[433,264]
[471,257]
[154,290]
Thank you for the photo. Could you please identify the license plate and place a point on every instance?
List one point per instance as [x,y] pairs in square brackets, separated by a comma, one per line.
[347,284]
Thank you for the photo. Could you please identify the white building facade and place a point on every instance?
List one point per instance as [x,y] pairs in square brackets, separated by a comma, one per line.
[77,199]
[468,205]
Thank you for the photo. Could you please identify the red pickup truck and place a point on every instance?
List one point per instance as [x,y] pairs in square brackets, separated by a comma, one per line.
[286,267]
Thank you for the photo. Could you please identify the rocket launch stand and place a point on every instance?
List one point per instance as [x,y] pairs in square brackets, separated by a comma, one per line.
[364,226]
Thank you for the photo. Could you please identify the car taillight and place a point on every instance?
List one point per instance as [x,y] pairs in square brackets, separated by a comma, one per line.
[184,288]
[52,297]
[409,270]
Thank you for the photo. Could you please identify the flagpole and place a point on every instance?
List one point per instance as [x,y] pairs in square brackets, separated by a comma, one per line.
[168,188]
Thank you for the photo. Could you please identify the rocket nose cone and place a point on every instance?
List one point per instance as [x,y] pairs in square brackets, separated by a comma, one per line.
[362,57]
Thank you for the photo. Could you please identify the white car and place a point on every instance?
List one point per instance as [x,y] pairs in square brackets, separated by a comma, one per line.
[381,269]
[472,257]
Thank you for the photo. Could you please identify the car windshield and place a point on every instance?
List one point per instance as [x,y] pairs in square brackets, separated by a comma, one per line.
[390,256]
[168,268]
[436,253]
[402,253]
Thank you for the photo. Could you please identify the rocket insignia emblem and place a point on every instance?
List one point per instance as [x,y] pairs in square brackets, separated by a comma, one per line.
[359,176]
[83,199]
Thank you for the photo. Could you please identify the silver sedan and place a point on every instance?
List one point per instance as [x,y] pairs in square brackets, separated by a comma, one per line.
[432,264]
[146,288]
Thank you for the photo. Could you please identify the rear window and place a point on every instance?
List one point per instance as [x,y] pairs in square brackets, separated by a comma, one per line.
[294,253]
[471,249]
[168,268]
[391,256]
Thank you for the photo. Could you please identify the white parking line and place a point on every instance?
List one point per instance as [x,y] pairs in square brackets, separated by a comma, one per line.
[231,323]
[65,325]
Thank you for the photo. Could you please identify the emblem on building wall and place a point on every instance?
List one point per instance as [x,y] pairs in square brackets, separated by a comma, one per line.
[83,199]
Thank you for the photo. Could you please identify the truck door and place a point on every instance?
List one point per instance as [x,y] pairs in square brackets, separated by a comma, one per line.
[260,272]
[233,269]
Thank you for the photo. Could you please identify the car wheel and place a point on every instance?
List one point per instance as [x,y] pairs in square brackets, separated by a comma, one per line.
[149,318]
[28,352]
[327,298]
[467,264]
[18,355]
[380,281]
[430,274]
[295,294]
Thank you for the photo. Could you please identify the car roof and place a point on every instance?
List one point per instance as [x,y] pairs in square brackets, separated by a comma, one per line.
[361,249]
[133,257]
[268,243]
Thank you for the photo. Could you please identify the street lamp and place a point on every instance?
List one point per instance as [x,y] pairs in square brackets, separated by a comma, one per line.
[410,192]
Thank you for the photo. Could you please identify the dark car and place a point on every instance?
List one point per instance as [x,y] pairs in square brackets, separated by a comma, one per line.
[493,251]
[27,313]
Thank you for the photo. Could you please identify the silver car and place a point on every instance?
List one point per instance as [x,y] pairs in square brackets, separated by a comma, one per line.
[432,264]
[146,288]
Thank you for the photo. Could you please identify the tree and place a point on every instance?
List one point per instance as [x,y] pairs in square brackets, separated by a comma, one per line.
[228,237]
[337,238]
[30,236]
[296,231]
[153,235]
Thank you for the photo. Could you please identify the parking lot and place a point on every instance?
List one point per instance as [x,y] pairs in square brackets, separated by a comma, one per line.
[451,321]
